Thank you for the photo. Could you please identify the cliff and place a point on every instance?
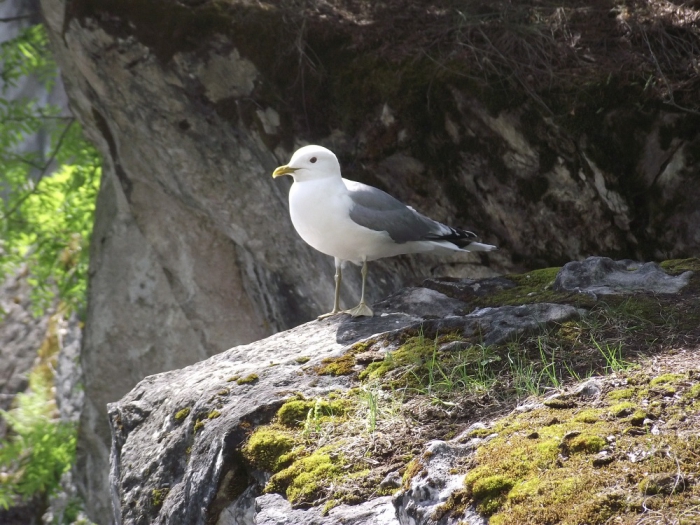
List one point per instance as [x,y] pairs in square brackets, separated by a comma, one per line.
[561,395]
[555,133]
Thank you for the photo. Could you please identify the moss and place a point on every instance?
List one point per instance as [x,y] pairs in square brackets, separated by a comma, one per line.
[559,402]
[180,415]
[662,483]
[637,418]
[308,476]
[623,409]
[293,413]
[233,378]
[665,379]
[481,432]
[621,393]
[490,492]
[158,496]
[198,425]
[252,378]
[223,392]
[213,414]
[519,476]
[455,506]
[413,468]
[589,415]
[415,351]
[268,448]
[587,444]
[693,392]
[533,287]
[337,366]
[678,266]
[302,359]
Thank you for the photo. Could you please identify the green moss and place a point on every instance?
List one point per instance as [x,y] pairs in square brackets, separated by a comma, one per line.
[199,424]
[302,359]
[158,496]
[558,403]
[268,448]
[665,379]
[337,366]
[637,419]
[622,393]
[532,287]
[252,378]
[520,476]
[693,392]
[180,415]
[662,483]
[622,409]
[589,415]
[232,378]
[294,413]
[416,351]
[307,477]
[678,266]
[481,432]
[587,444]
[490,492]
[413,468]
[455,506]
[213,414]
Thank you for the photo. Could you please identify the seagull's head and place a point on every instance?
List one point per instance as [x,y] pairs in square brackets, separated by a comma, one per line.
[310,163]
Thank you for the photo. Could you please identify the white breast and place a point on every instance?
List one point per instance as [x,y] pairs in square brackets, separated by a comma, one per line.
[320,214]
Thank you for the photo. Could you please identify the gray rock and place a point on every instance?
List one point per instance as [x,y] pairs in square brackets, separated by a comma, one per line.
[193,250]
[377,511]
[590,389]
[420,503]
[603,276]
[502,323]
[149,447]
[273,509]
[391,481]
[466,289]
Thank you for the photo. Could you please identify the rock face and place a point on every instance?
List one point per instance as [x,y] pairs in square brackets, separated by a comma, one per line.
[194,103]
[177,437]
[152,449]
[601,275]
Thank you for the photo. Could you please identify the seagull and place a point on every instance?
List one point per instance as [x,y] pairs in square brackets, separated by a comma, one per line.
[354,222]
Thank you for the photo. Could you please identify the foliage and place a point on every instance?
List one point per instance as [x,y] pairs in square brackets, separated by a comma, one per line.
[40,448]
[47,199]
[45,221]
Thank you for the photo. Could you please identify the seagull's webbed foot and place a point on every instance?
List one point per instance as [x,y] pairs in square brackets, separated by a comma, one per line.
[329,314]
[360,310]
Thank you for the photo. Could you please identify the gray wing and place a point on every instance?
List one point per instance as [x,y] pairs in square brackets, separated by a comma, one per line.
[379,211]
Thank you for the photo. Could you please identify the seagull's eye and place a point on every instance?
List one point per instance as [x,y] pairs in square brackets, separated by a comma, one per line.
[313,160]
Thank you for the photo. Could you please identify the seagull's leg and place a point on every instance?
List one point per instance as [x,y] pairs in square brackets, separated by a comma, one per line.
[362,308]
[336,301]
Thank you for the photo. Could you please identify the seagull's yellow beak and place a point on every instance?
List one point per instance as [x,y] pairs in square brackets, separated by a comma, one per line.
[283,170]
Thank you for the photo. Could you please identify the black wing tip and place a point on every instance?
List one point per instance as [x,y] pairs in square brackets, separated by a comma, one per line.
[457,236]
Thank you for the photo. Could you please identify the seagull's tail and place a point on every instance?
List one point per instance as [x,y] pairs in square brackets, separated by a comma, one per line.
[463,239]
[479,247]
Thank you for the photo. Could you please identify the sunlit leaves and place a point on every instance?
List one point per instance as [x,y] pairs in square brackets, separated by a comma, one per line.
[47,197]
[27,54]
[40,448]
